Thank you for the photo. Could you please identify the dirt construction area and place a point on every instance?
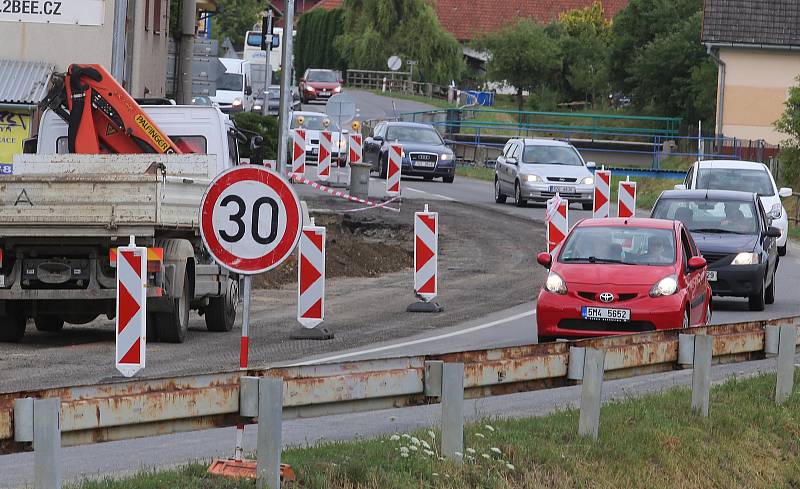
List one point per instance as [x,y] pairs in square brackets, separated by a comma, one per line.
[487,263]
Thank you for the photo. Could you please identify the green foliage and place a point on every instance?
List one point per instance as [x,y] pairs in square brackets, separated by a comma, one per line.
[789,124]
[314,43]
[265,126]
[522,55]
[175,19]
[373,30]
[234,19]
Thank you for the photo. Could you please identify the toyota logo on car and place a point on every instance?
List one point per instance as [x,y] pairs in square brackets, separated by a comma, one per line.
[606,297]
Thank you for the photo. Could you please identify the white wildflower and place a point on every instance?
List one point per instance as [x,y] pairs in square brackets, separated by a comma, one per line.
[480,435]
[458,454]
[428,453]
[407,436]
[447,476]
[486,456]
[435,474]
[510,467]
[496,450]
[425,444]
[432,434]
[404,449]
[413,448]
[415,440]
[471,450]
[442,458]
[470,458]
[488,428]
[395,437]
[404,454]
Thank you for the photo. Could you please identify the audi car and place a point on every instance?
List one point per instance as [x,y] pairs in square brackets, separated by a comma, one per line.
[615,276]
[424,151]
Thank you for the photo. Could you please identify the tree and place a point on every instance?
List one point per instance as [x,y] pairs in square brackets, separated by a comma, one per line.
[314,44]
[789,124]
[523,56]
[234,19]
[373,30]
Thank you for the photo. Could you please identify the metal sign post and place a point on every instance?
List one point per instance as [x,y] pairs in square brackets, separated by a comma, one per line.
[286,86]
[267,71]
[341,107]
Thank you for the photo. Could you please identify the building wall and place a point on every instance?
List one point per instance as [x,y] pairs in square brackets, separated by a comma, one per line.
[757,84]
[149,66]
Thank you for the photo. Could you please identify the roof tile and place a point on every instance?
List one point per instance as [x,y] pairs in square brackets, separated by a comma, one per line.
[762,22]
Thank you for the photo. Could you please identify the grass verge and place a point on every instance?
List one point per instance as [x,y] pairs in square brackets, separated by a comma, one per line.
[647,442]
[438,103]
[479,172]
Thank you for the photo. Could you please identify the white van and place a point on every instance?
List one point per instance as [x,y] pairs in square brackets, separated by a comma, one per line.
[235,86]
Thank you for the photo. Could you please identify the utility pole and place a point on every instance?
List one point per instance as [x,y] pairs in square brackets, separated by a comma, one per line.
[188,24]
[118,44]
[286,85]
[267,44]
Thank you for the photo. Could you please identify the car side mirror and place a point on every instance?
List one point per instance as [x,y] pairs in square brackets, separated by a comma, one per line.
[591,164]
[545,259]
[773,232]
[256,150]
[377,139]
[697,262]
[680,186]
[511,161]
[490,163]
[248,90]
[785,192]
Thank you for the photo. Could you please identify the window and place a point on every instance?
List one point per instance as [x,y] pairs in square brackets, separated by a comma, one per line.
[688,181]
[233,149]
[507,149]
[551,155]
[147,15]
[157,17]
[756,181]
[687,252]
[710,216]
[415,134]
[190,144]
[628,245]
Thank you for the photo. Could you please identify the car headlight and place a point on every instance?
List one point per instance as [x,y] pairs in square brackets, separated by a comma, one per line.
[237,101]
[532,178]
[446,157]
[309,89]
[337,89]
[555,284]
[745,259]
[587,181]
[664,287]
[776,211]
[257,107]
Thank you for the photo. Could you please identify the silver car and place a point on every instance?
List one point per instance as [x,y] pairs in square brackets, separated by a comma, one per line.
[535,169]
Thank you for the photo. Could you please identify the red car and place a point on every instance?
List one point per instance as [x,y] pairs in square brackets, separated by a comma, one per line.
[617,276]
[319,85]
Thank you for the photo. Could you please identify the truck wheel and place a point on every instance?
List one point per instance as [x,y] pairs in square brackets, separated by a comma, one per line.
[221,311]
[12,324]
[48,323]
[172,326]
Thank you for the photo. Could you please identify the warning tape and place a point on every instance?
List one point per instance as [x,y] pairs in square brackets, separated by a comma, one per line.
[346,196]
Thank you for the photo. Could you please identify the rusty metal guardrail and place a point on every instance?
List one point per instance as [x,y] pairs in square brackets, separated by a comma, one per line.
[148,407]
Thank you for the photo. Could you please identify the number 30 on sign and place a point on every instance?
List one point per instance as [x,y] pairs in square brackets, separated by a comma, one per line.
[250,219]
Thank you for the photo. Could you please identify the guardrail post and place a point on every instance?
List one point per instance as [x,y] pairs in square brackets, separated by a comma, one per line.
[453,410]
[591,392]
[786,350]
[270,439]
[47,443]
[701,373]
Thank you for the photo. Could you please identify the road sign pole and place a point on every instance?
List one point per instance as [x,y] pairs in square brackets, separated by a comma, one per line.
[244,349]
[286,86]
[267,70]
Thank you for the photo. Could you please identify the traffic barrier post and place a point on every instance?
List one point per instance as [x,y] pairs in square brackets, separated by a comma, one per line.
[591,392]
[311,285]
[39,421]
[602,193]
[298,152]
[325,154]
[701,374]
[131,328]
[557,222]
[626,199]
[453,410]
[426,261]
[270,436]
[393,170]
[354,154]
[786,352]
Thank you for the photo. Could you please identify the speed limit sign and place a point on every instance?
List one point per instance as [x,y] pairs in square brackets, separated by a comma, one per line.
[250,219]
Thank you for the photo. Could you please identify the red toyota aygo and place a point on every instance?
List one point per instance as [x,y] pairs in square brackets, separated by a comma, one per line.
[617,276]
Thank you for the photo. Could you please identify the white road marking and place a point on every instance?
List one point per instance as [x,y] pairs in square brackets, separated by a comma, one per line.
[417,342]
[443,197]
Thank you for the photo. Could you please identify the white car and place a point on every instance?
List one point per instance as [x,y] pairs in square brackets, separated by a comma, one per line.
[748,176]
[314,123]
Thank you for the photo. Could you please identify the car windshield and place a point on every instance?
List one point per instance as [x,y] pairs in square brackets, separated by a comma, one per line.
[410,134]
[322,76]
[551,155]
[254,39]
[315,123]
[756,181]
[623,245]
[230,81]
[710,216]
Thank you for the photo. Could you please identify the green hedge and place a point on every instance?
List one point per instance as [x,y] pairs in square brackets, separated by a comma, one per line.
[266,126]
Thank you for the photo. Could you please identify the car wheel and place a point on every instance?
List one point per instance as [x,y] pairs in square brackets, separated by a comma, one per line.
[769,294]
[48,323]
[498,195]
[588,206]
[782,250]
[384,165]
[518,200]
[756,301]
[449,179]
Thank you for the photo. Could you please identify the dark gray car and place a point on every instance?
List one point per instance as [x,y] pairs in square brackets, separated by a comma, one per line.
[424,151]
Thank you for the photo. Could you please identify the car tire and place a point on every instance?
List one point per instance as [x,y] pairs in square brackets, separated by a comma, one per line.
[221,311]
[449,179]
[782,250]
[756,301]
[48,323]
[588,207]
[769,294]
[12,324]
[172,326]
[499,198]
[518,200]
[384,165]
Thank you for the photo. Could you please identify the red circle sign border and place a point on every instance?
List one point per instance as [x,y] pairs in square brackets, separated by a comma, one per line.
[251,266]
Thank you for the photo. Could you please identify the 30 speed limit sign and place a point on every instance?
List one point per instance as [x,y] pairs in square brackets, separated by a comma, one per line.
[250,219]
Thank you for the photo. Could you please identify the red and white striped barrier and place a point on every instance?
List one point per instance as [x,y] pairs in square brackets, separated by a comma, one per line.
[346,196]
[325,148]
[426,251]
[393,170]
[626,201]
[298,152]
[355,148]
[311,277]
[602,193]
[131,330]
[557,222]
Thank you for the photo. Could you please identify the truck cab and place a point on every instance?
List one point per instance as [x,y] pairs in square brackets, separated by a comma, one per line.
[235,86]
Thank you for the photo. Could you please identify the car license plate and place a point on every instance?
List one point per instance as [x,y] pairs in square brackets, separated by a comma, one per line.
[314,150]
[711,275]
[602,313]
[565,190]
[425,164]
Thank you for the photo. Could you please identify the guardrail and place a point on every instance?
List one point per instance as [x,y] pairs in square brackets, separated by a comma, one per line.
[149,407]
[394,81]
